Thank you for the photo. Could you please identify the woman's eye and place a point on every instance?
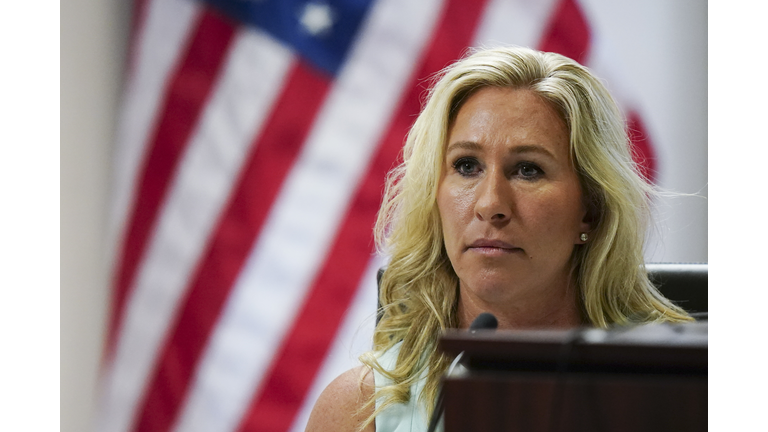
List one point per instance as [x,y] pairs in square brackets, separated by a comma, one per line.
[466,166]
[529,171]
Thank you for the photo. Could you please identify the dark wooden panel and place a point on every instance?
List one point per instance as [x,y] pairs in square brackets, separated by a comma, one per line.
[538,402]
[643,378]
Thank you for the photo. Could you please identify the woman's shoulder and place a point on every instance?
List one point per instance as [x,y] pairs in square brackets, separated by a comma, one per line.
[342,405]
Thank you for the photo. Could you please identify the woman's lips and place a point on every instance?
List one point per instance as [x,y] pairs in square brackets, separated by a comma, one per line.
[493,247]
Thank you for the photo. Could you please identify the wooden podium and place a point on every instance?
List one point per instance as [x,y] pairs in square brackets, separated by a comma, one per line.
[646,378]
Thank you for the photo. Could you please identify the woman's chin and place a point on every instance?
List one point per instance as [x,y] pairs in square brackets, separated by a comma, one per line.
[493,290]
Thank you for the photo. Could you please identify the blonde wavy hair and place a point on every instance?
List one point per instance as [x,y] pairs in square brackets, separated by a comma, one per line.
[419,289]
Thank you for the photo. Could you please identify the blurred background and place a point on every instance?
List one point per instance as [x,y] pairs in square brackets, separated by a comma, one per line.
[222,162]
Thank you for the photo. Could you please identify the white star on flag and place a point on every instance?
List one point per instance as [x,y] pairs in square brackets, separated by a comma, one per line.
[317,18]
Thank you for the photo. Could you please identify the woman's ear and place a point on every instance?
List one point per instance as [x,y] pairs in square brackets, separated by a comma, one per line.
[590,216]
[584,230]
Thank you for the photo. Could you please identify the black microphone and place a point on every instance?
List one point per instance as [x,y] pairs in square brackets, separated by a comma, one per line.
[484,321]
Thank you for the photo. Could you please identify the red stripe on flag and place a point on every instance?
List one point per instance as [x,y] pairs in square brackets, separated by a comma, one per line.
[568,32]
[296,364]
[139,16]
[642,149]
[267,166]
[187,95]
[138,19]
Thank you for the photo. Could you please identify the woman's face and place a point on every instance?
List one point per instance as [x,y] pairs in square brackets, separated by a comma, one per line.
[509,198]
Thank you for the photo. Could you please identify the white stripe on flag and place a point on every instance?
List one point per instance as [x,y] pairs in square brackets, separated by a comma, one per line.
[514,22]
[161,41]
[604,56]
[355,337]
[306,214]
[235,114]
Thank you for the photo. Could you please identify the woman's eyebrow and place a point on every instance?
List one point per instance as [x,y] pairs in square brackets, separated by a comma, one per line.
[532,149]
[464,145]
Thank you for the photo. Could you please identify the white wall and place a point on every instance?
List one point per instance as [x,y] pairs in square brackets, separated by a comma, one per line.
[93,52]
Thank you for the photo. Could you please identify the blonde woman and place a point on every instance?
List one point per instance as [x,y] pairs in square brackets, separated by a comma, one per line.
[517,196]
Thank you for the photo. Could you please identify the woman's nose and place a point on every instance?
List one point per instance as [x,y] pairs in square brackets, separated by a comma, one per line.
[494,201]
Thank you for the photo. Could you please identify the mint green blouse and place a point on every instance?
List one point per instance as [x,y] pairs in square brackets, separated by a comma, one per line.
[408,417]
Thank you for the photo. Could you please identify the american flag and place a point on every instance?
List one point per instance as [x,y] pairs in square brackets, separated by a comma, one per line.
[251,154]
